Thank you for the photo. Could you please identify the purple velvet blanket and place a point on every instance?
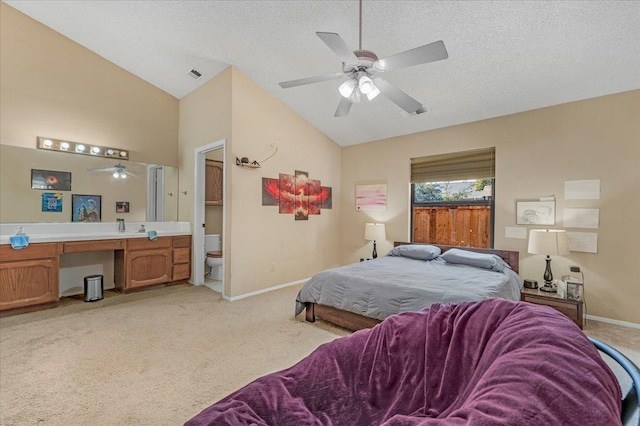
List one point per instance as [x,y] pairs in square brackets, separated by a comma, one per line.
[495,362]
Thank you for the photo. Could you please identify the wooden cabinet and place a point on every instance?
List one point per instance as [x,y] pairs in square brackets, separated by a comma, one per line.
[181,258]
[143,263]
[571,308]
[28,276]
[213,183]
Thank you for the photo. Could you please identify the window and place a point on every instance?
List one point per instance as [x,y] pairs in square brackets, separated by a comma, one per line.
[452,198]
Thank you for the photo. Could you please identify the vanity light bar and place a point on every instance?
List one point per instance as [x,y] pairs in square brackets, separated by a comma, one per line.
[81,148]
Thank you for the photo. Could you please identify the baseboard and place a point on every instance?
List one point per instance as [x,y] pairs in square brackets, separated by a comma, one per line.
[264,290]
[615,322]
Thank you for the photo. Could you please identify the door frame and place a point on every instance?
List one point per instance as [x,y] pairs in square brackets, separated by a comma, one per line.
[197,268]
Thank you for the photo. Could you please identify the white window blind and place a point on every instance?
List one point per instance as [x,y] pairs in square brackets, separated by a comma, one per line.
[465,165]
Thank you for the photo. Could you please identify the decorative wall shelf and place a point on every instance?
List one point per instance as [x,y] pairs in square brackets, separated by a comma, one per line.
[249,165]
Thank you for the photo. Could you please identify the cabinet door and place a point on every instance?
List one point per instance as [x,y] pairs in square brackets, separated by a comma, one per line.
[213,183]
[147,267]
[28,282]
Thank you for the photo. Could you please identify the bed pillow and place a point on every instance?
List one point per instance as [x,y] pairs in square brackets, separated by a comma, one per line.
[416,251]
[479,260]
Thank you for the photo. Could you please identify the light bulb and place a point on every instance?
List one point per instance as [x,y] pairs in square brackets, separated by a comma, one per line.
[372,94]
[95,150]
[123,175]
[110,152]
[365,84]
[116,175]
[80,148]
[47,143]
[123,153]
[346,88]
[64,145]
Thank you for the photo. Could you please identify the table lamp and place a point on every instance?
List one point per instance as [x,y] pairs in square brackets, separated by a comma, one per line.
[373,232]
[548,242]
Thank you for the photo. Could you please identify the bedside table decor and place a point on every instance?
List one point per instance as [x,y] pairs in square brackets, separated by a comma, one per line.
[373,232]
[548,242]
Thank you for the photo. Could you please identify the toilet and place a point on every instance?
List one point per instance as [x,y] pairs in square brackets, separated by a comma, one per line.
[214,256]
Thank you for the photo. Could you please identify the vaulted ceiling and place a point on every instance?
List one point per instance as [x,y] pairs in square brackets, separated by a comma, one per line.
[504,56]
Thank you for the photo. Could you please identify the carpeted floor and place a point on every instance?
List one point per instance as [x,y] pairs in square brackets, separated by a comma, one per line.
[152,358]
[159,357]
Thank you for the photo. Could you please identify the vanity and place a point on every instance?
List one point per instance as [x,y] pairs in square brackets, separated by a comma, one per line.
[30,277]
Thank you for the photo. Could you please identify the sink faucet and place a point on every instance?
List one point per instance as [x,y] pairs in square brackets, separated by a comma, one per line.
[120,225]
[142,229]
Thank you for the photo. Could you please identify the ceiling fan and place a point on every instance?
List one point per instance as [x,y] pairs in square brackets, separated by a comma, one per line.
[360,65]
[119,171]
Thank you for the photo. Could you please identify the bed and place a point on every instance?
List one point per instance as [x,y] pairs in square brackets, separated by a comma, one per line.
[363,294]
[478,363]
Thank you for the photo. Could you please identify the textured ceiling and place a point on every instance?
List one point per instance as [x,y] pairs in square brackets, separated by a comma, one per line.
[504,56]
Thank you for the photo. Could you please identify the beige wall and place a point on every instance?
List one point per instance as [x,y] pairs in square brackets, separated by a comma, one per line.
[536,152]
[52,86]
[260,236]
[234,108]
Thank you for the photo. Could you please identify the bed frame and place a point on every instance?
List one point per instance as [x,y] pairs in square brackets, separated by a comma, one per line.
[354,322]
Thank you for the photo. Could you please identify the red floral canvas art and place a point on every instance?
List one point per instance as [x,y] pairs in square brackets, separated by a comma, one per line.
[296,194]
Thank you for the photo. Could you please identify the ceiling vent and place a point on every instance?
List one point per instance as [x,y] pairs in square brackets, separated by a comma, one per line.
[195,74]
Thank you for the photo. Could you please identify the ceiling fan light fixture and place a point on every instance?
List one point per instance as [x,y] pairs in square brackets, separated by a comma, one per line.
[355,96]
[365,84]
[347,88]
[372,94]
[123,175]
[116,174]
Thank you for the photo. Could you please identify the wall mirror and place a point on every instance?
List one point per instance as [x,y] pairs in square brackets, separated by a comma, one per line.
[149,191]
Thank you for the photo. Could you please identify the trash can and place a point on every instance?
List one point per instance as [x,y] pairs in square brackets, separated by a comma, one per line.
[92,288]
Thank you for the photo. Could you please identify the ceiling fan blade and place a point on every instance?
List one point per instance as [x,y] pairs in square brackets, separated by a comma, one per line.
[106,169]
[309,80]
[129,173]
[339,47]
[397,96]
[343,107]
[420,55]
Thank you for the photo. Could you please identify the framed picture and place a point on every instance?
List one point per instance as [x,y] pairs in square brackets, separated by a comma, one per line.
[371,197]
[86,208]
[575,291]
[535,212]
[52,202]
[122,207]
[49,179]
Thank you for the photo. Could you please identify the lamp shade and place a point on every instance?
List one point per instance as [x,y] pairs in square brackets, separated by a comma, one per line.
[548,242]
[374,232]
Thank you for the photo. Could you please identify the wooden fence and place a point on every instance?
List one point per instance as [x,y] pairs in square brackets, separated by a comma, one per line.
[466,226]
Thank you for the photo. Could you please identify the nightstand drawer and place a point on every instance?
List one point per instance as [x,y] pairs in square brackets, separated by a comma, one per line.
[571,308]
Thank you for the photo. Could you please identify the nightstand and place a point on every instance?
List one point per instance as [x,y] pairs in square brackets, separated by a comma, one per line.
[571,308]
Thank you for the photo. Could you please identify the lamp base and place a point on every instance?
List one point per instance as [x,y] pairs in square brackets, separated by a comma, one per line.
[549,288]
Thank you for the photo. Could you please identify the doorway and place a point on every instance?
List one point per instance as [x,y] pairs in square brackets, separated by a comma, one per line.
[199,216]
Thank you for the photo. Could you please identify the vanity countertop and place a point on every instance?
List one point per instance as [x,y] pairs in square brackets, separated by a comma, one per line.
[60,232]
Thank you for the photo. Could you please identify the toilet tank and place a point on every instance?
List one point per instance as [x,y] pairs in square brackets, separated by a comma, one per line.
[212,242]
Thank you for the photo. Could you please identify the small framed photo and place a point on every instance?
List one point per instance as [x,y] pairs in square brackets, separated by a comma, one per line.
[49,179]
[86,208]
[575,291]
[122,207]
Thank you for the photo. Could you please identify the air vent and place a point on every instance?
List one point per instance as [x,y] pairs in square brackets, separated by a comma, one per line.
[195,74]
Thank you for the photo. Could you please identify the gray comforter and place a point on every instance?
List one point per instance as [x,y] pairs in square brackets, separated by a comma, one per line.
[388,285]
